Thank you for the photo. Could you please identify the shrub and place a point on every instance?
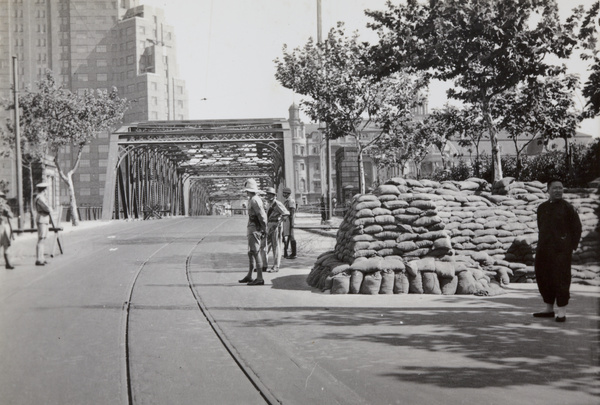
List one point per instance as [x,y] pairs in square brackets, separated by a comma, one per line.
[460,172]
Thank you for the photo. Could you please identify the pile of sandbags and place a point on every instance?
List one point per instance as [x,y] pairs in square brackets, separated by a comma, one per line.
[390,275]
[384,235]
[391,222]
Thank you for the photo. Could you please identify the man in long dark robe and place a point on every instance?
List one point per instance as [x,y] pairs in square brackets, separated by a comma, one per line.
[559,229]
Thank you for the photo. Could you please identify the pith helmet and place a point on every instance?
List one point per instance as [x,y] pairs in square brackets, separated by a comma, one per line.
[270,190]
[251,186]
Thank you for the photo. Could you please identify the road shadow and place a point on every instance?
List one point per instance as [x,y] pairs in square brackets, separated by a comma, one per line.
[497,347]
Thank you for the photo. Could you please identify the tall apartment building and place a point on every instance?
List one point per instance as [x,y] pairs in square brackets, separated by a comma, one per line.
[92,44]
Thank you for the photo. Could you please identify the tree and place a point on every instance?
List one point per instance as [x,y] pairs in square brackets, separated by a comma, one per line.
[33,146]
[341,92]
[60,118]
[404,142]
[589,44]
[541,109]
[443,127]
[470,130]
[485,46]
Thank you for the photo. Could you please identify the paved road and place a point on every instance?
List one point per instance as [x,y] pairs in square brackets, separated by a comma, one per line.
[118,319]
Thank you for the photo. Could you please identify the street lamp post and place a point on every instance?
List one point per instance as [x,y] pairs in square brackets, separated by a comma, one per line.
[18,144]
[327,141]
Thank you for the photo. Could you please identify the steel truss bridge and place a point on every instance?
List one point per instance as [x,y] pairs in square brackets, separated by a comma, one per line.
[181,167]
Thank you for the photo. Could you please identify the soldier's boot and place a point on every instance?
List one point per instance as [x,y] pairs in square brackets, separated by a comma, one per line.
[7,261]
[293,255]
[286,243]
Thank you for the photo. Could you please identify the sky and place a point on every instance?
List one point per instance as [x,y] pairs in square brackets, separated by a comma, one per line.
[226,51]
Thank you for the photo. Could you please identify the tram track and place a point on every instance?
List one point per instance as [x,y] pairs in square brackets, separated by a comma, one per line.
[127,374]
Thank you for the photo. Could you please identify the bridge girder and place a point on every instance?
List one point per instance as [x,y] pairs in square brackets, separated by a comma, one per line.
[216,156]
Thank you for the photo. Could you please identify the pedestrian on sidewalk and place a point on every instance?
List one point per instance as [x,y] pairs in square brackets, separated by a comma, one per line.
[43,222]
[288,224]
[276,212]
[5,230]
[256,229]
[559,229]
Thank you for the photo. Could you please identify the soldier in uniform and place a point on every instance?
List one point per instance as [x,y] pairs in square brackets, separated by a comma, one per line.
[257,225]
[5,230]
[43,222]
[276,212]
[288,224]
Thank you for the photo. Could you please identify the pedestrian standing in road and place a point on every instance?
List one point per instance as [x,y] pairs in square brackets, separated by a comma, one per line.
[43,222]
[323,208]
[288,224]
[256,229]
[276,212]
[559,229]
[5,230]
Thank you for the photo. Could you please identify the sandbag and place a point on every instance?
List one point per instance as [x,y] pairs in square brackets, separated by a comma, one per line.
[372,264]
[381,211]
[341,284]
[449,285]
[394,204]
[415,283]
[401,284]
[466,283]
[431,283]
[393,264]
[339,268]
[386,189]
[387,282]
[426,264]
[356,279]
[371,283]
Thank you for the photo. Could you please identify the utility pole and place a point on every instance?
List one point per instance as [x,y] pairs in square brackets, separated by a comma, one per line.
[18,144]
[327,141]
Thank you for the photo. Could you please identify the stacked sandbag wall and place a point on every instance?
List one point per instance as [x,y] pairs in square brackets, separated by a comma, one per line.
[449,222]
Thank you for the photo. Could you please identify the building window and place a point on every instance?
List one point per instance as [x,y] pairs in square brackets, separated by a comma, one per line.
[102,162]
[101,77]
[82,77]
[142,29]
[154,100]
[101,48]
[101,63]
[84,191]
[154,115]
[84,177]
[130,60]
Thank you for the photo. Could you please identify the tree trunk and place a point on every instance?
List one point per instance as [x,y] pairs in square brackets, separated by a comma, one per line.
[496,160]
[568,159]
[31,192]
[72,201]
[477,161]
[361,172]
